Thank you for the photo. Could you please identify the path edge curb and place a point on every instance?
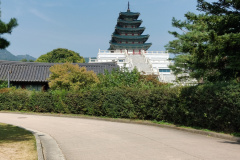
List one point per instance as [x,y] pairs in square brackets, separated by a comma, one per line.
[39,147]
[43,147]
[38,142]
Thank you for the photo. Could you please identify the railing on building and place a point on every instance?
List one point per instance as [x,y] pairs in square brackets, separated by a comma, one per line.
[123,59]
[128,52]
[155,52]
[111,51]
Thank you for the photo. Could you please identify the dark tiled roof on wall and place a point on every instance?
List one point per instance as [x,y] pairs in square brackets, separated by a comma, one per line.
[39,72]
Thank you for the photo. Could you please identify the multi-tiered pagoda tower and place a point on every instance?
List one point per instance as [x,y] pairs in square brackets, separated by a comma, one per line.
[128,45]
[128,34]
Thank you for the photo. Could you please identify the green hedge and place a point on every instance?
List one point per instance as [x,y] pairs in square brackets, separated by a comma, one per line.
[213,106]
[210,106]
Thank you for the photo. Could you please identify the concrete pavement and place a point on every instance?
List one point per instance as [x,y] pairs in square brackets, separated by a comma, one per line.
[102,140]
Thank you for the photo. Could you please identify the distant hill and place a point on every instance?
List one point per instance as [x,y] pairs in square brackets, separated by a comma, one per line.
[6,55]
[28,57]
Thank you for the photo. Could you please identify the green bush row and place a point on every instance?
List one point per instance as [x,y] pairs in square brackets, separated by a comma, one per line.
[211,106]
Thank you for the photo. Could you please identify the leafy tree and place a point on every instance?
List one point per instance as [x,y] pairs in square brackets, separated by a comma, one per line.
[6,28]
[71,77]
[209,45]
[24,60]
[119,77]
[3,84]
[125,78]
[61,55]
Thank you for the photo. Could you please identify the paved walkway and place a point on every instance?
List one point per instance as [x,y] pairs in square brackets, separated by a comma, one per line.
[86,139]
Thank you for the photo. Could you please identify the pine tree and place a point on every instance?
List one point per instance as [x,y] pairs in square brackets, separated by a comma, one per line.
[209,43]
[6,28]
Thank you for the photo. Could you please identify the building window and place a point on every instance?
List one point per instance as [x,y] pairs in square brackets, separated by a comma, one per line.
[120,60]
[164,70]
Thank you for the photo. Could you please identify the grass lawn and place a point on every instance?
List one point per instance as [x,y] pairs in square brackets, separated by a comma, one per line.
[16,143]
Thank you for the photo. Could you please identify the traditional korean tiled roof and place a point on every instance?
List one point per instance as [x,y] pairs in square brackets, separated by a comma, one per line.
[124,22]
[132,30]
[39,72]
[130,37]
[134,15]
[129,13]
[144,46]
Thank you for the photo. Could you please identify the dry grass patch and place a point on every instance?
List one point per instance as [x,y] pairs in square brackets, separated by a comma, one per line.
[16,143]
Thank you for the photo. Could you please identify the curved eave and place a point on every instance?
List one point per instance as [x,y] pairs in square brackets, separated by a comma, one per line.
[133,15]
[130,37]
[144,46]
[115,40]
[129,13]
[123,22]
[134,30]
[29,80]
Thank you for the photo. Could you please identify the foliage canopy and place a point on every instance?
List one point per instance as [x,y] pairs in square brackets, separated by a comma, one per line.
[61,55]
[209,45]
[71,77]
[125,78]
[6,28]
[3,84]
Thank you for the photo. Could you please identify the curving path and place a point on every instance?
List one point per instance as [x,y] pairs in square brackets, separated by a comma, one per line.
[87,139]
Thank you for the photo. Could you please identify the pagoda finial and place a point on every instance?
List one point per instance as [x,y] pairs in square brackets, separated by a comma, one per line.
[128,7]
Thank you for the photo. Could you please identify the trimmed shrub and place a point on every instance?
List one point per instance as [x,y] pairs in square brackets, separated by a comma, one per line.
[210,106]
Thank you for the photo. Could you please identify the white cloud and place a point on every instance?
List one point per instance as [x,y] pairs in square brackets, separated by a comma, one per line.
[40,15]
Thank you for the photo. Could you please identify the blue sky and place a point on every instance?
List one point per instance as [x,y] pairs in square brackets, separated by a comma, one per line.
[85,26]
